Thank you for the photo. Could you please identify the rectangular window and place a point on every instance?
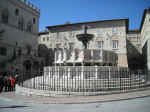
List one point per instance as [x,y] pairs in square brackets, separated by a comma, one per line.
[5,15]
[29,27]
[115,44]
[47,38]
[100,44]
[43,38]
[114,29]
[3,51]
[99,32]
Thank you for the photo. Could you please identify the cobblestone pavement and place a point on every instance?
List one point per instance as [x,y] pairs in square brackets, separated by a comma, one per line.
[13,105]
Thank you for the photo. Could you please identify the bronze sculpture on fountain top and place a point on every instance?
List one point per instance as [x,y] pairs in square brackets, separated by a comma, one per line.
[85,37]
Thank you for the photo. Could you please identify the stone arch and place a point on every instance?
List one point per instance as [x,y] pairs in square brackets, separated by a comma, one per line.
[27,65]
[28,48]
[36,65]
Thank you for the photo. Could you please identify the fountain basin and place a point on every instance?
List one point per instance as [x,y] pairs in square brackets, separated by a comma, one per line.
[86,37]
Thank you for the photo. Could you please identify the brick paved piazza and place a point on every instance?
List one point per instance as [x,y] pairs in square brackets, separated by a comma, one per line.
[8,104]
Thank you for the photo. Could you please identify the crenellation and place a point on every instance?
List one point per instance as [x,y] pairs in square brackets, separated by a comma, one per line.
[30,5]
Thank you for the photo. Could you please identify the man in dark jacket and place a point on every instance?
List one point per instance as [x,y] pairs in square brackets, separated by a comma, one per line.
[2,75]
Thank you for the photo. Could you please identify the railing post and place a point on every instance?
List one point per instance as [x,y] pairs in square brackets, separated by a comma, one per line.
[22,79]
[147,76]
[96,72]
[68,73]
[119,77]
[82,70]
[109,74]
[129,72]
[69,84]
[109,78]
[43,80]
[67,79]
[139,78]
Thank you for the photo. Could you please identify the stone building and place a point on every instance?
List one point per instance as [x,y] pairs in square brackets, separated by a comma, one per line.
[138,43]
[134,49]
[109,35]
[131,46]
[145,37]
[19,27]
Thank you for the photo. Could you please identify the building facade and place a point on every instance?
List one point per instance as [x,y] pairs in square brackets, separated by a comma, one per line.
[19,27]
[145,37]
[109,35]
[134,49]
[131,46]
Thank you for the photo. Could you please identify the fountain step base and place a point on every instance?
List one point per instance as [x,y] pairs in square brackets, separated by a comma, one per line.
[47,93]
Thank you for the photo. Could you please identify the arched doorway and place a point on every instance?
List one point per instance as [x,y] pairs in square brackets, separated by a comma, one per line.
[27,65]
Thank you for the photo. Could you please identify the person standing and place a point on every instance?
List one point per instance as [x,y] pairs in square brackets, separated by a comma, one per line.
[12,81]
[2,75]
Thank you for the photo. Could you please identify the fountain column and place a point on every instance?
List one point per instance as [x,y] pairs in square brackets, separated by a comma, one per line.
[84,38]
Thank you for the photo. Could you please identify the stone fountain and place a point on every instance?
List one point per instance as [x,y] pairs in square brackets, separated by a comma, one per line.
[76,71]
[85,37]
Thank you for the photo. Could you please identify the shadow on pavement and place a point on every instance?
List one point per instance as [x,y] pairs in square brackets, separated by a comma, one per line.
[14,106]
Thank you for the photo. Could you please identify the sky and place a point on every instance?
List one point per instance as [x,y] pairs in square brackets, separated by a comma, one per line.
[55,12]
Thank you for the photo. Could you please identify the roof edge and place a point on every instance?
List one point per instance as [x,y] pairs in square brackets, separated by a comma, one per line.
[143,18]
[134,30]
[64,25]
[43,32]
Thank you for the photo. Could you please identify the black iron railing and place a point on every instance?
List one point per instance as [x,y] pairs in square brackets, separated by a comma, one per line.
[85,79]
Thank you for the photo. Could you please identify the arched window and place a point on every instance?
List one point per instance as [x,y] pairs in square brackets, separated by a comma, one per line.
[19,51]
[29,49]
[21,23]
[34,20]
[43,38]
[5,15]
[114,29]
[29,27]
[3,51]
